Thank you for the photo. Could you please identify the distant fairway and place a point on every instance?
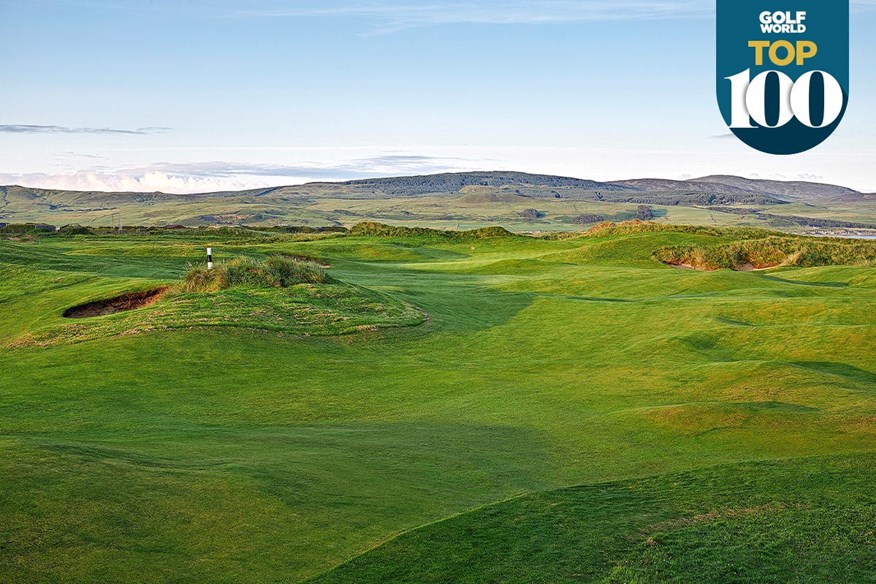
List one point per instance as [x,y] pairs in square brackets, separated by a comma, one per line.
[511,409]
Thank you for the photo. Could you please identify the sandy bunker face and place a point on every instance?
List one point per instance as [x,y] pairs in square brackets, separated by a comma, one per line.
[128,301]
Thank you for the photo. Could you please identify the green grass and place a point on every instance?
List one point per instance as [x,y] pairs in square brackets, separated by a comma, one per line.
[305,309]
[279,294]
[805,520]
[561,393]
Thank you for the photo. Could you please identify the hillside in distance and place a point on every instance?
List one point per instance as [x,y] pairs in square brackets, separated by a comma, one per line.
[789,190]
[519,201]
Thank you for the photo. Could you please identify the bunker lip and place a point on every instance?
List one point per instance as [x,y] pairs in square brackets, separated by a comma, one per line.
[746,267]
[122,303]
[750,267]
[685,266]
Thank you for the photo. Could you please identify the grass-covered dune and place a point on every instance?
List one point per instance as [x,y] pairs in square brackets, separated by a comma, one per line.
[281,293]
[570,410]
[783,521]
[382,230]
[771,252]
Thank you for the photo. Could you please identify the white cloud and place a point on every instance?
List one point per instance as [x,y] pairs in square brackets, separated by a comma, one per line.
[259,168]
[200,177]
[43,129]
[118,181]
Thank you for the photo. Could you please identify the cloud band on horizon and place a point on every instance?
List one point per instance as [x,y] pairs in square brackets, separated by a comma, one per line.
[43,129]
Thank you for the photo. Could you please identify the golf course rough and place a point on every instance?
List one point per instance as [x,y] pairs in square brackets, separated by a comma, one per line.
[571,410]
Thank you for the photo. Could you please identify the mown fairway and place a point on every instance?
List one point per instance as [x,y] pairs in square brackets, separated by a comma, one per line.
[570,411]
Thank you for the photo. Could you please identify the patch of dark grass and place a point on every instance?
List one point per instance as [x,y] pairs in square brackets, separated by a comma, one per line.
[808,520]
[841,369]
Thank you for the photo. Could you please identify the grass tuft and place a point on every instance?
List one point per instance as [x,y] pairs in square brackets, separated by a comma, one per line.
[276,271]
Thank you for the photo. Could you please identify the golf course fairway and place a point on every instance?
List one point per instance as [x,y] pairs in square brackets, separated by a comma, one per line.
[457,409]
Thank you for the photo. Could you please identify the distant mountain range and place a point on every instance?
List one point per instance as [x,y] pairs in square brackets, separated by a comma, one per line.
[323,202]
[725,188]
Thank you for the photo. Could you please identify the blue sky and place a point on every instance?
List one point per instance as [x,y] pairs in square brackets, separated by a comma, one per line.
[208,94]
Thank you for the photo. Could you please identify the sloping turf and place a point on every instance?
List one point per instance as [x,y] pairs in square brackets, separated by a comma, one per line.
[245,455]
[803,520]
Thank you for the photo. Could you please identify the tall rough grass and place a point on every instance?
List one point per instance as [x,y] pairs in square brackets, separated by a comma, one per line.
[274,272]
[373,229]
[637,226]
[770,252]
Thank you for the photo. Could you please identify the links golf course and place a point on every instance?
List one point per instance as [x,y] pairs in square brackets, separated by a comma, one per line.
[629,404]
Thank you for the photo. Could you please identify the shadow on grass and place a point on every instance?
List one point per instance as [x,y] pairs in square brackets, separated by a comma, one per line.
[840,369]
[799,283]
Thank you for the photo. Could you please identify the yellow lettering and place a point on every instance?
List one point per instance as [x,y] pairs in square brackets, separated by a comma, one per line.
[805,50]
[800,53]
[758,47]
[789,53]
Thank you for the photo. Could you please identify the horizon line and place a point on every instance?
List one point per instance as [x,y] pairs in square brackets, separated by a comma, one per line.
[700,179]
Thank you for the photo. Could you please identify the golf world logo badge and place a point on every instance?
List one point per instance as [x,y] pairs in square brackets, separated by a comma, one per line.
[783,71]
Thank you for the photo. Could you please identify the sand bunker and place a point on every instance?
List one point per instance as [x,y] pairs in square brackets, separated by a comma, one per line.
[121,303]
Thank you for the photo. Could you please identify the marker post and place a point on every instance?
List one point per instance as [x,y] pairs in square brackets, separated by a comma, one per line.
[209,258]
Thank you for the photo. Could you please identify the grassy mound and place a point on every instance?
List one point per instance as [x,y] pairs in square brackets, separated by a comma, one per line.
[306,310]
[277,271]
[794,521]
[380,230]
[636,226]
[771,252]
[281,293]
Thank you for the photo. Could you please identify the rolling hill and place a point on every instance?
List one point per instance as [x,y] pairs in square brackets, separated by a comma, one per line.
[453,182]
[792,190]
[436,407]
[520,201]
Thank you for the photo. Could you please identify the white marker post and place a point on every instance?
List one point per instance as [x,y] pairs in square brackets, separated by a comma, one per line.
[209,258]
